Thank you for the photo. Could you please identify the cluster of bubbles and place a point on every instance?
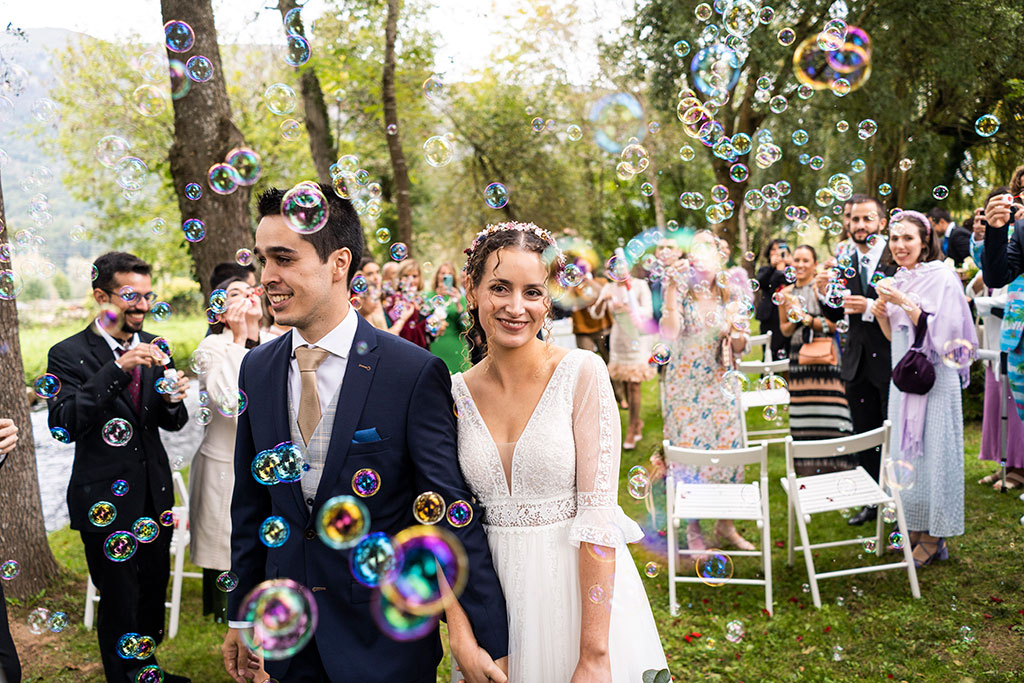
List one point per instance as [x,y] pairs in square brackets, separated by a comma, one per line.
[282,464]
[353,183]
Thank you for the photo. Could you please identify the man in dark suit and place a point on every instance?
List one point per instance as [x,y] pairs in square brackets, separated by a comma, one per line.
[956,239]
[108,372]
[356,398]
[866,363]
[10,667]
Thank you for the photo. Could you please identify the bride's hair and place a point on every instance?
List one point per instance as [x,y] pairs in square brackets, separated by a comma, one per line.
[522,236]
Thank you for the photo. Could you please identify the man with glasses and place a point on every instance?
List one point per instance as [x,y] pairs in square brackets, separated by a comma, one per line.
[108,404]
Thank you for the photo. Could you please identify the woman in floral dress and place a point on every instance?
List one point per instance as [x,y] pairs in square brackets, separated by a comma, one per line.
[705,319]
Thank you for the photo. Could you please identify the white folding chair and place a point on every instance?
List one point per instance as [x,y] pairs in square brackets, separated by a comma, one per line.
[686,501]
[838,490]
[765,342]
[180,538]
[758,398]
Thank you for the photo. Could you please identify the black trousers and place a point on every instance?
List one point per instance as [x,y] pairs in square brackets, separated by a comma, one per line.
[132,596]
[10,667]
[869,404]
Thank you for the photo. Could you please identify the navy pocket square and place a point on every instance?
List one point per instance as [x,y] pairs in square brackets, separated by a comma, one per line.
[366,435]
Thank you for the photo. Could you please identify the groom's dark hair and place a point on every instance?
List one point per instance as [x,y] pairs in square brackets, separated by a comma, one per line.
[342,230]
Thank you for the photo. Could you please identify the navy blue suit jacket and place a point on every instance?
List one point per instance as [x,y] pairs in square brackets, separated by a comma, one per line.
[868,354]
[404,393]
[1003,258]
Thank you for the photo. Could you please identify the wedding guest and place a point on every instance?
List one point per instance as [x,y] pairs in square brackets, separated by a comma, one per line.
[389,275]
[817,403]
[227,269]
[699,409]
[211,475]
[993,302]
[593,334]
[403,307]
[10,667]
[927,446]
[110,409]
[629,302]
[370,305]
[866,364]
[448,345]
[771,278]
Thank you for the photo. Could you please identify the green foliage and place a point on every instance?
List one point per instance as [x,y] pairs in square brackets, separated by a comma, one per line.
[34,289]
[182,294]
[61,285]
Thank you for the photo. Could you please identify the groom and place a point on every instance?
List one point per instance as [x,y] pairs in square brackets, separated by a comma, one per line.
[387,406]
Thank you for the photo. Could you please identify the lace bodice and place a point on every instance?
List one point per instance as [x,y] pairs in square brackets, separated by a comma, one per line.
[565,465]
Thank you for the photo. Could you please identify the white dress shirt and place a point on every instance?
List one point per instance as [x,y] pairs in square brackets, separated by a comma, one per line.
[116,345]
[869,260]
[338,342]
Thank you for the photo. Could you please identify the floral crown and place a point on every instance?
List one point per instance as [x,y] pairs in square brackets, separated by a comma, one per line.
[521,227]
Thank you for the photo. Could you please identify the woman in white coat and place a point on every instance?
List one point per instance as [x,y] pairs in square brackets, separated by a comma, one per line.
[211,477]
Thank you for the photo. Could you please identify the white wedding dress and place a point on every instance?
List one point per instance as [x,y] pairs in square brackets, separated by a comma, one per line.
[564,483]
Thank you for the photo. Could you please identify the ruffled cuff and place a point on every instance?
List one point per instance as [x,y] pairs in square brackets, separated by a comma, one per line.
[609,527]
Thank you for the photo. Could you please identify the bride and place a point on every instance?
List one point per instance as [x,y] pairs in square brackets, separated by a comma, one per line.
[539,446]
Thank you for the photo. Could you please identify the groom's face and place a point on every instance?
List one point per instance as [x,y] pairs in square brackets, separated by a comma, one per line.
[298,284]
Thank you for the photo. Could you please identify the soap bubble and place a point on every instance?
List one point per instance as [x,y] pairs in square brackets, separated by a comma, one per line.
[426,550]
[199,69]
[117,432]
[342,522]
[615,119]
[734,631]
[374,560]
[9,570]
[46,386]
[459,514]
[179,36]
[305,208]
[496,195]
[714,567]
[900,474]
[227,581]
[274,531]
[283,614]
[280,99]
[297,51]
[145,529]
[437,150]
[428,508]
[651,570]
[957,353]
[986,126]
[120,546]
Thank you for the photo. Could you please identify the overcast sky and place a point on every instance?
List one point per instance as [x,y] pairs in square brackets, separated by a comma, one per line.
[463,26]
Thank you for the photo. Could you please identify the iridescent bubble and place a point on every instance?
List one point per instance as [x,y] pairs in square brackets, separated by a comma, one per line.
[290,463]
[178,36]
[739,173]
[786,36]
[651,570]
[204,416]
[342,522]
[398,251]
[896,540]
[866,129]
[60,434]
[957,353]
[149,101]
[660,353]
[101,514]
[199,69]
[940,192]
[496,195]
[167,518]
[145,529]
[715,67]
[227,581]
[161,311]
[382,235]
[130,173]
[885,189]
[741,17]
[734,631]
[37,620]
[702,11]
[117,432]
[120,546]
[647,189]
[428,508]
[426,551]
[365,482]
[57,622]
[437,151]
[889,514]
[615,119]
[397,623]
[290,129]
[110,149]
[297,51]
[639,486]
[574,132]
[986,126]
[284,616]
[232,405]
[280,99]
[459,514]
[906,164]
[900,474]
[247,163]
[264,467]
[46,386]
[193,191]
[374,560]
[9,570]
[119,487]
[681,48]
[151,673]
[305,208]
[714,567]
[433,88]
[274,531]
[128,645]
[194,230]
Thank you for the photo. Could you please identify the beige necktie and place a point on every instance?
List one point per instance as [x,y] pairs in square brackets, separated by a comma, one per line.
[309,359]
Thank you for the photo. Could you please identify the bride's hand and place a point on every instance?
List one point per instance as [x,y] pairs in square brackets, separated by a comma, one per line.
[593,669]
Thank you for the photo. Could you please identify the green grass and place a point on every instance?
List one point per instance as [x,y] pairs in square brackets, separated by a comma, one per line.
[184,332]
[882,631]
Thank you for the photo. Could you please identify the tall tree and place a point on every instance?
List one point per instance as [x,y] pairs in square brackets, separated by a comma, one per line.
[203,135]
[318,129]
[401,195]
[23,533]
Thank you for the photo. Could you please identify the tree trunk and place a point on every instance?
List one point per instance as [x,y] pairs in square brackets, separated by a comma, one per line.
[203,135]
[22,532]
[321,142]
[398,165]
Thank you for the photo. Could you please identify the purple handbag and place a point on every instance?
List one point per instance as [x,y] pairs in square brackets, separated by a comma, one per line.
[915,374]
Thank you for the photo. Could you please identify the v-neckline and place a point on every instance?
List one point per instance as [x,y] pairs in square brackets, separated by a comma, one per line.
[510,480]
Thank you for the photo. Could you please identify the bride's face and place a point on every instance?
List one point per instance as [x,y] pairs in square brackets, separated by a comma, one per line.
[512,297]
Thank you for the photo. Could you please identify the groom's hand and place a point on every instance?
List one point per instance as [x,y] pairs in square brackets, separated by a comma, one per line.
[478,667]
[241,663]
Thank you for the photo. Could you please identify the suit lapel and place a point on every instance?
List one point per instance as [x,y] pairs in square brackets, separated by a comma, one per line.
[276,415]
[354,389]
[103,355]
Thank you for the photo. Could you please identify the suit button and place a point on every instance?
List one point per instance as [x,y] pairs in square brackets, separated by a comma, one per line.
[309,501]
[310,534]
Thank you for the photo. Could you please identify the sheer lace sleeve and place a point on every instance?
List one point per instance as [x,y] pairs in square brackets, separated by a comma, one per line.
[595,425]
